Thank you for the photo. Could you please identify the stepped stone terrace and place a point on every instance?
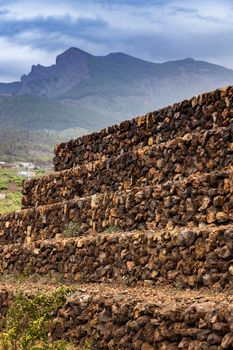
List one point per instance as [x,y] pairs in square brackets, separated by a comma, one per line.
[138,218]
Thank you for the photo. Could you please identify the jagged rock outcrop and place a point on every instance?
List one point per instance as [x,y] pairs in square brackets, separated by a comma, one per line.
[71,67]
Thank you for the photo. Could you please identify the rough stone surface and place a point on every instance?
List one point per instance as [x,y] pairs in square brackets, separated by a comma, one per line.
[194,153]
[170,204]
[200,113]
[148,258]
[144,319]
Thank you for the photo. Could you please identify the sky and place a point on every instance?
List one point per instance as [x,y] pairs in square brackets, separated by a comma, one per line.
[33,32]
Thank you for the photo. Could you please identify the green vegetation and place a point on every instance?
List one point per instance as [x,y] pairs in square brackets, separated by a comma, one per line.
[9,176]
[10,185]
[33,112]
[17,278]
[72,230]
[112,229]
[33,146]
[12,202]
[18,145]
[29,321]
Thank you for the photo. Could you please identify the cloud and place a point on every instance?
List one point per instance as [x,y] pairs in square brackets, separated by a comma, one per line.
[17,59]
[56,30]
[35,32]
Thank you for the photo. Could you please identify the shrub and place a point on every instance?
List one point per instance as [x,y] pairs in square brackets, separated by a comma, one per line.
[72,230]
[112,229]
[28,321]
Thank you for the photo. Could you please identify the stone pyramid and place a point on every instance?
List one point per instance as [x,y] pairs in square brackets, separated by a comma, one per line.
[139,216]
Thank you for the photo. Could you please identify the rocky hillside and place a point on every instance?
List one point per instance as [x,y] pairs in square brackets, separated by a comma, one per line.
[138,219]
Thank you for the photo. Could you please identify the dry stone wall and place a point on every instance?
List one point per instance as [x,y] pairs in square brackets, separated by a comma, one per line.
[139,319]
[200,113]
[182,258]
[195,200]
[201,152]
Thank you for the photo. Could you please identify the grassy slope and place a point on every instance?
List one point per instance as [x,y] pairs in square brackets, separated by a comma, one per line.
[36,113]
[36,147]
[10,184]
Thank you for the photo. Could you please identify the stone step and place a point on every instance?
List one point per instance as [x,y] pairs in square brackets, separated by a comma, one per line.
[196,200]
[181,257]
[203,112]
[140,318]
[200,152]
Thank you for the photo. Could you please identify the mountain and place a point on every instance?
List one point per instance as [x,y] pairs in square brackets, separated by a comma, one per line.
[82,90]
[10,88]
[85,91]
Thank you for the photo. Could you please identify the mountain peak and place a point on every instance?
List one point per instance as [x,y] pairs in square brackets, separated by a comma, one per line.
[189,59]
[71,54]
[120,54]
[71,67]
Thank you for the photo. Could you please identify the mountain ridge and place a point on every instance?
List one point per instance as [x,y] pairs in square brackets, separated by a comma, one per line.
[77,61]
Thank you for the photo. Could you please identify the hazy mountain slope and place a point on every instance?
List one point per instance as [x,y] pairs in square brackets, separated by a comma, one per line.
[33,112]
[82,90]
[77,74]
[10,88]
[34,146]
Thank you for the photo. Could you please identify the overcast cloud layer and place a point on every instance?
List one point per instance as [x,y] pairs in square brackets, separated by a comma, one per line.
[34,32]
